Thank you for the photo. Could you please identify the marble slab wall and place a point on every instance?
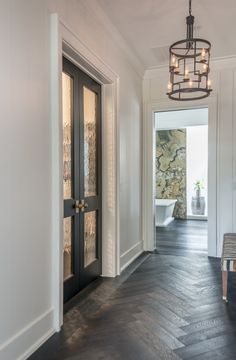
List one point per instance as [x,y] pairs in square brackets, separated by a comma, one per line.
[171,168]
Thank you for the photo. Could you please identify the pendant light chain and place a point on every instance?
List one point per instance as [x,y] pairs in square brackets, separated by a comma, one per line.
[190,7]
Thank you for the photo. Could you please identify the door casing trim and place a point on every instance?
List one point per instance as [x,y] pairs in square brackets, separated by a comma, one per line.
[63,41]
[150,108]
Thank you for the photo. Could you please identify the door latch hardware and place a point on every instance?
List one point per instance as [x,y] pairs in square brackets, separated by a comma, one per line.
[80,206]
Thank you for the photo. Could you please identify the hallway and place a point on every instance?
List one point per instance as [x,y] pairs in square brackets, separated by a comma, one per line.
[162,307]
[182,237]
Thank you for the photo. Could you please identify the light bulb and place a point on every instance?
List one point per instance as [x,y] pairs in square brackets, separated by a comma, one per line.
[190,83]
[173,59]
[186,73]
[209,84]
[203,54]
[176,70]
[169,86]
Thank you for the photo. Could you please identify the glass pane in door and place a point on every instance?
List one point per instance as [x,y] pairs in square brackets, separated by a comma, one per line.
[90,238]
[67,248]
[67,103]
[90,143]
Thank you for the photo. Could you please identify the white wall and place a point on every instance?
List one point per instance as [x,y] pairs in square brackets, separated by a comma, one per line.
[197,162]
[222,104]
[181,118]
[26,255]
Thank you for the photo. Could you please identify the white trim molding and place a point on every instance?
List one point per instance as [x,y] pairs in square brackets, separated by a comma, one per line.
[131,56]
[150,107]
[65,42]
[29,339]
[234,152]
[130,255]
[228,62]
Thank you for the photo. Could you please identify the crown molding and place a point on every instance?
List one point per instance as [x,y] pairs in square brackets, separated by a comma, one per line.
[96,11]
[226,62]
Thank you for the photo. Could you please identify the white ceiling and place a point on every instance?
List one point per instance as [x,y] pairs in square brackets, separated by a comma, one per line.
[150,26]
[181,118]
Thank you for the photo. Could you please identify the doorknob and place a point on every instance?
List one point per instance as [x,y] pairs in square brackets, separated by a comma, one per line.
[80,206]
[83,205]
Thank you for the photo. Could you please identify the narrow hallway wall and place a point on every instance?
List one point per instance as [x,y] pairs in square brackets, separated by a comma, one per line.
[26,257]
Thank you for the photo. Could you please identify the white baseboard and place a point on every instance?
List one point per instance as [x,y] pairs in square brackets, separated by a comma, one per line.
[197,217]
[29,339]
[130,255]
[166,222]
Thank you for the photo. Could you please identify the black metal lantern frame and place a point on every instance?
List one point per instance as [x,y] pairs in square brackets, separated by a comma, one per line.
[189,66]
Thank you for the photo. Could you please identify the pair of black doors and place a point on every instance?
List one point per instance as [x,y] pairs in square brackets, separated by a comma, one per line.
[81,100]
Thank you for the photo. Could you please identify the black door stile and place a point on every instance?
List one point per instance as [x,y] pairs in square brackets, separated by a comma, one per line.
[81,275]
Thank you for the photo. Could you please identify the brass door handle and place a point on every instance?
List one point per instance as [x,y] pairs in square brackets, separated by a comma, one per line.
[80,206]
[83,206]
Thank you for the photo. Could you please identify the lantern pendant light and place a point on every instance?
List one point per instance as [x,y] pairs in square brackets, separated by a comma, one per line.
[189,66]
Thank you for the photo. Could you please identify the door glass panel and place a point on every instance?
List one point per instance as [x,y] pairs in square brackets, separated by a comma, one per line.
[67,103]
[90,143]
[67,249]
[90,238]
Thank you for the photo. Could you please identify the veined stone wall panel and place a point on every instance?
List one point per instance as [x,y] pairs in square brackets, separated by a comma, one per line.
[171,168]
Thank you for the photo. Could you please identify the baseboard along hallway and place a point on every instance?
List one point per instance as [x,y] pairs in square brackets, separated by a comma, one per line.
[166,305]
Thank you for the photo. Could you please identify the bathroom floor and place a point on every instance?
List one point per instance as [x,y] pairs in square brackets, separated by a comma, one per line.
[181,237]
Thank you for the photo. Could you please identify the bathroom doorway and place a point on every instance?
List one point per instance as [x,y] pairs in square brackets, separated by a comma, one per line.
[181,181]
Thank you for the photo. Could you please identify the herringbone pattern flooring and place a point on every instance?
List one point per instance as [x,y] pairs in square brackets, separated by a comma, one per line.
[166,306]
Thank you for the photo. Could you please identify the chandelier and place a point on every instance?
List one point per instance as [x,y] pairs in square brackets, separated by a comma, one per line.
[189,66]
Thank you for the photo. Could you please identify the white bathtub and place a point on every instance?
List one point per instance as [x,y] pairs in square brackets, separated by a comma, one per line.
[164,211]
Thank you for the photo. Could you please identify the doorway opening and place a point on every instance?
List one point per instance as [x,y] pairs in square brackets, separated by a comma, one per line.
[82,185]
[181,181]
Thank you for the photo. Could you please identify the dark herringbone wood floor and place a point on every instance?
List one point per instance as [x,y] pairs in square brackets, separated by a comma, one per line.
[166,306]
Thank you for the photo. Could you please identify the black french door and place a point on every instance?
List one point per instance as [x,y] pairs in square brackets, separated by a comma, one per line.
[81,110]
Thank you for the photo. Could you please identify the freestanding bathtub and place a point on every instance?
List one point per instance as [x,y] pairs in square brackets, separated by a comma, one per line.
[164,211]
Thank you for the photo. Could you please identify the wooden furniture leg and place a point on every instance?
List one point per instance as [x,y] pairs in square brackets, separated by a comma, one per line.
[225,285]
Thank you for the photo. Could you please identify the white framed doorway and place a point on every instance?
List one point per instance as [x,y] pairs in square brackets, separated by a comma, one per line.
[65,43]
[181,162]
[149,169]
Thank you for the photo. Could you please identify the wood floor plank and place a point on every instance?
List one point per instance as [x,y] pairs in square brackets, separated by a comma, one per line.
[188,352]
[167,305]
[171,341]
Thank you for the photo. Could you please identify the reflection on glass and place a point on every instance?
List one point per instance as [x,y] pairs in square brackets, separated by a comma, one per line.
[89,237]
[67,248]
[90,168]
[67,93]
